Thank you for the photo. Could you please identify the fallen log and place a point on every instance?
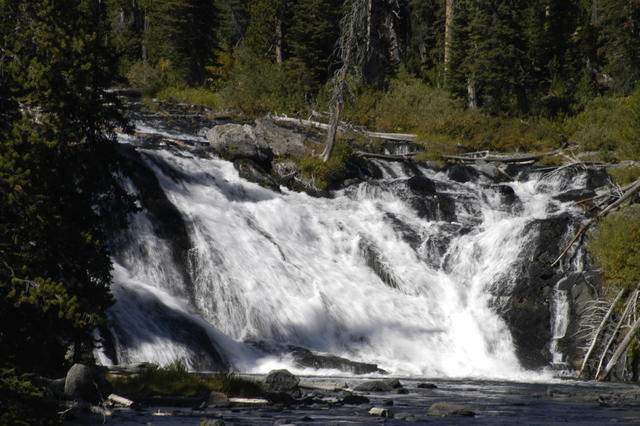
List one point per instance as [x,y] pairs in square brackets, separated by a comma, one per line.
[500,158]
[385,156]
[632,190]
[599,331]
[344,129]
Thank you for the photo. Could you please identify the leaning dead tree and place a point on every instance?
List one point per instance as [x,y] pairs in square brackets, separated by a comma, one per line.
[354,28]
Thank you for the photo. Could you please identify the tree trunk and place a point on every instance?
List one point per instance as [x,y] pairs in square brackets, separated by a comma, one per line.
[279,39]
[594,12]
[626,312]
[594,342]
[621,350]
[448,32]
[331,134]
[472,101]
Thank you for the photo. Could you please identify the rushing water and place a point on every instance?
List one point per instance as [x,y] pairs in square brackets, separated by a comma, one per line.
[362,275]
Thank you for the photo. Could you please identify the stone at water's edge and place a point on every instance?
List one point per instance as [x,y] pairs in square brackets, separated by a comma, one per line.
[281,381]
[445,409]
[87,382]
[236,141]
[217,399]
[387,385]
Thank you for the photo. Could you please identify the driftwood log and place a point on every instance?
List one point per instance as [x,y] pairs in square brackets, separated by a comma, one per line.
[500,158]
[344,129]
[630,191]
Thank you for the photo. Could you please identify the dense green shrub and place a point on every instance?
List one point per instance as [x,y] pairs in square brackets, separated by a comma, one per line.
[327,175]
[151,79]
[602,126]
[615,245]
[257,86]
[176,380]
[192,96]
[21,402]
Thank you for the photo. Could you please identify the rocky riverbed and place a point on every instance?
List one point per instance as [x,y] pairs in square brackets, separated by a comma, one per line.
[349,400]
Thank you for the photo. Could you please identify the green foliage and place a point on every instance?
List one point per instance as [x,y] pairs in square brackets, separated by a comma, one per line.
[257,86]
[57,191]
[175,379]
[624,175]
[21,402]
[327,175]
[152,79]
[615,245]
[192,96]
[602,126]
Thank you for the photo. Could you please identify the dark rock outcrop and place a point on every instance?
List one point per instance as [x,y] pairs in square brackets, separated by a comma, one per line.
[87,382]
[306,358]
[282,381]
[524,305]
[386,385]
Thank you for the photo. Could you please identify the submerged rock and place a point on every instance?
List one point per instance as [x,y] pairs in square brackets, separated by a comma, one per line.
[386,385]
[282,381]
[380,412]
[446,409]
[306,358]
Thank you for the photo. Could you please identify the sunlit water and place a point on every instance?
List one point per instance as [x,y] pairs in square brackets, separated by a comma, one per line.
[286,268]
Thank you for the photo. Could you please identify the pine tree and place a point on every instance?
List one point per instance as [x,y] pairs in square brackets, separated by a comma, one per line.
[56,181]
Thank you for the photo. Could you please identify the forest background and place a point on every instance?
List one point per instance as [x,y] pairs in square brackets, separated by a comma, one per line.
[463,74]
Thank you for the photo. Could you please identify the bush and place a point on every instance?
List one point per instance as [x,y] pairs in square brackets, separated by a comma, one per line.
[602,126]
[192,96]
[176,380]
[327,175]
[624,175]
[257,86]
[22,403]
[151,79]
[615,245]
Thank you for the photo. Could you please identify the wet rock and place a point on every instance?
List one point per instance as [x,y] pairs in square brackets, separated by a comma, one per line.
[461,173]
[218,400]
[380,412]
[402,391]
[281,381]
[306,358]
[421,185]
[87,382]
[446,409]
[507,194]
[283,422]
[407,417]
[354,400]
[575,195]
[524,302]
[212,422]
[387,385]
[427,386]
[251,171]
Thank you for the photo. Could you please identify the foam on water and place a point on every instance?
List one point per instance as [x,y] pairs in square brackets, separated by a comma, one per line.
[288,268]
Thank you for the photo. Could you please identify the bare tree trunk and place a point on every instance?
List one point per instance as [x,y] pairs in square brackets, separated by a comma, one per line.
[599,331]
[331,134]
[627,308]
[279,39]
[472,101]
[621,350]
[594,12]
[448,32]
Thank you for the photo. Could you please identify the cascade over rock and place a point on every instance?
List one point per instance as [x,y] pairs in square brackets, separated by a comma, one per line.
[410,269]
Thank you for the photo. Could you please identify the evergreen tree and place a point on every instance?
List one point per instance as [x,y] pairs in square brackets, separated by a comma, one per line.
[313,33]
[620,25]
[56,181]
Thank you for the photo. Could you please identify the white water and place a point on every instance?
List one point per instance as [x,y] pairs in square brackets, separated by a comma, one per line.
[288,268]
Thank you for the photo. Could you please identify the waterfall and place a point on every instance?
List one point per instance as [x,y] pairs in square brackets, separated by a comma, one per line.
[389,271]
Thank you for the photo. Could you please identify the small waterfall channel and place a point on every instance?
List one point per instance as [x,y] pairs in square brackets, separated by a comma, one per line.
[423,272]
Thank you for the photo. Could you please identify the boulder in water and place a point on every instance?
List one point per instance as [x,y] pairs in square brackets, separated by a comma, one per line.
[387,385]
[87,382]
[351,399]
[380,412]
[282,381]
[306,358]
[217,400]
[462,173]
[446,409]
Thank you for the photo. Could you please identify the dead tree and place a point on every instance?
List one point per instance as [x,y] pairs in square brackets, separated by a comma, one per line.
[599,331]
[354,33]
